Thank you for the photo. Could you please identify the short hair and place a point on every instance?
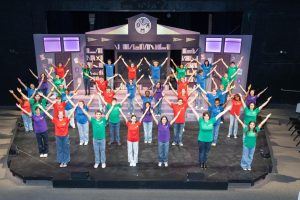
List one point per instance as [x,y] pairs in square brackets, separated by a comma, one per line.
[98,111]
[217,99]
[206,113]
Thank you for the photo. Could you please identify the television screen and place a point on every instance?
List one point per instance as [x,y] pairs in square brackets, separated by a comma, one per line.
[52,44]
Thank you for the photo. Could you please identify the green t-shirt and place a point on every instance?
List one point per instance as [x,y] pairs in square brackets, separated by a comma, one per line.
[206,130]
[114,116]
[224,81]
[98,128]
[34,105]
[250,115]
[250,137]
[231,71]
[85,71]
[180,72]
[57,82]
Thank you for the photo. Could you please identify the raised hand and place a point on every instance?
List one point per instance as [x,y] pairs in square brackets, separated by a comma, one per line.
[11,91]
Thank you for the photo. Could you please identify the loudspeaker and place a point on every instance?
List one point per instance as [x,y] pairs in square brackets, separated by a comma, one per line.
[80,175]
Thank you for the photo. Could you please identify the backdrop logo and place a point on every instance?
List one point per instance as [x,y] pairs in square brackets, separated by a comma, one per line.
[142,46]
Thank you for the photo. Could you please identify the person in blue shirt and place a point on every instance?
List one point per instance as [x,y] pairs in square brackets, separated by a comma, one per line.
[211,96]
[109,70]
[30,90]
[155,69]
[131,90]
[145,98]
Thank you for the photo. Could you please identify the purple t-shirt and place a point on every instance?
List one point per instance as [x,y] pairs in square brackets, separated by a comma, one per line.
[44,84]
[158,93]
[163,132]
[250,99]
[148,117]
[39,123]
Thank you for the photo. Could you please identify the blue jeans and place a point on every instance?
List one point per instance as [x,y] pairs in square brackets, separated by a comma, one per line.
[157,109]
[178,132]
[62,149]
[216,132]
[110,82]
[86,82]
[163,151]
[83,130]
[131,105]
[99,146]
[148,131]
[204,148]
[42,140]
[155,80]
[233,125]
[27,121]
[114,128]
[247,157]
[199,98]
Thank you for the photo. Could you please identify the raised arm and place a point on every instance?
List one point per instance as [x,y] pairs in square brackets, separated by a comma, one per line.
[197,61]
[49,73]
[194,89]
[90,101]
[20,81]
[154,118]
[139,89]
[216,62]
[175,92]
[140,79]
[214,82]
[66,74]
[67,62]
[90,76]
[102,99]
[109,111]
[194,72]
[78,86]
[206,100]
[54,86]
[242,100]
[148,63]
[223,112]
[235,73]
[219,75]
[194,111]
[240,121]
[72,111]
[87,114]
[14,95]
[22,94]
[150,78]
[155,105]
[243,89]
[126,120]
[117,60]
[240,62]
[142,117]
[202,90]
[224,63]
[174,63]
[69,83]
[264,121]
[264,104]
[119,88]
[168,77]
[112,77]
[262,92]
[27,113]
[139,104]
[48,99]
[138,65]
[211,71]
[127,95]
[167,100]
[164,62]
[124,62]
[174,74]
[122,79]
[175,118]
[46,112]
[33,74]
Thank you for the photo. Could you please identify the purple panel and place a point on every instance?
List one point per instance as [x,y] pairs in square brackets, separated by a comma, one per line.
[213,45]
[52,44]
[233,45]
[71,44]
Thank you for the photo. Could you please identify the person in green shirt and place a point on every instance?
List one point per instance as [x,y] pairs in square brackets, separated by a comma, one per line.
[181,70]
[98,125]
[56,82]
[232,68]
[205,136]
[225,80]
[250,134]
[86,69]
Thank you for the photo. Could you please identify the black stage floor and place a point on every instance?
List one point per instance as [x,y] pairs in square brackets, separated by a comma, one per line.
[183,171]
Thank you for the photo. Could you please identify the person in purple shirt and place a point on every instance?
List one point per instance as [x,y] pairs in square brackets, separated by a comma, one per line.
[250,96]
[40,129]
[163,132]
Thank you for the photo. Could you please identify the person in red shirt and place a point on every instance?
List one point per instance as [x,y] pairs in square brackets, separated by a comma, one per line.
[182,84]
[25,104]
[109,94]
[133,137]
[132,69]
[101,84]
[184,95]
[60,69]
[58,104]
[236,105]
[61,126]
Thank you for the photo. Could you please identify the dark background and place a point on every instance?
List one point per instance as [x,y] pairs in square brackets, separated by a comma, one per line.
[274,24]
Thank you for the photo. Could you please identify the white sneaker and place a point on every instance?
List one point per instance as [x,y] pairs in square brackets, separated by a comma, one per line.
[183,130]
[181,144]
[159,164]
[81,143]
[96,165]
[201,108]
[149,142]
[249,169]
[166,164]
[45,155]
[85,143]
[173,143]
[133,164]
[65,165]
[221,122]
[235,137]
[41,155]
[245,169]
[196,107]
[228,136]
[103,165]
[145,142]
[61,165]
[213,144]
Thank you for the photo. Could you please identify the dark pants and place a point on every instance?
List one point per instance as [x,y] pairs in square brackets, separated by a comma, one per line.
[42,140]
[204,148]
[86,82]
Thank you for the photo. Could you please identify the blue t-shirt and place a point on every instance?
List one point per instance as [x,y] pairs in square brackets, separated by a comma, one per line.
[81,118]
[222,97]
[146,99]
[206,69]
[109,70]
[131,89]
[211,98]
[29,92]
[214,111]
[68,105]
[155,72]
[201,80]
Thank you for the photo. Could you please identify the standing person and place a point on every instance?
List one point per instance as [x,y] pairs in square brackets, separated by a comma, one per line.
[43,77]
[182,83]
[30,90]
[157,94]
[60,69]
[236,105]
[205,136]
[232,69]
[109,94]
[181,70]
[24,106]
[40,129]
[61,124]
[131,90]
[155,69]
[98,124]
[132,69]
[114,119]
[82,121]
[133,137]
[145,98]
[102,84]
[109,70]
[249,142]
[163,137]
[86,69]
[184,95]
[58,83]
[225,80]
[201,80]
[250,96]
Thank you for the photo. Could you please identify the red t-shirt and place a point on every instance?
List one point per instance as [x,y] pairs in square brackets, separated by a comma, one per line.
[176,108]
[25,106]
[60,71]
[182,85]
[108,96]
[133,131]
[132,72]
[236,107]
[184,98]
[101,85]
[61,126]
[58,107]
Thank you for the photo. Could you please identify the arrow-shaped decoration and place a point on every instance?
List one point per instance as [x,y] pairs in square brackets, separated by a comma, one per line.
[176,39]
[189,39]
[105,39]
[89,39]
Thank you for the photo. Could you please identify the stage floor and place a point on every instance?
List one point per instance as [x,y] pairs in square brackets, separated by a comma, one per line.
[183,171]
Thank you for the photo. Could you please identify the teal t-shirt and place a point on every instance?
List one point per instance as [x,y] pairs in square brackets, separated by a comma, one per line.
[231,71]
[250,137]
[98,128]
[114,116]
[34,105]
[206,130]
[57,82]
[85,71]
[250,115]
[225,82]
[181,72]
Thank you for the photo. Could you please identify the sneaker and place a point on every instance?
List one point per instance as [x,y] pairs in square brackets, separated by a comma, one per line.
[103,165]
[64,165]
[201,108]
[201,165]
[129,113]
[41,155]
[110,143]
[183,130]
[235,137]
[166,164]
[81,143]
[45,155]
[204,165]
[249,169]
[221,122]
[96,165]
[159,164]
[228,136]
[85,143]
[149,142]
[119,144]
[181,144]
[213,144]
[173,143]
[145,142]
[133,164]
[196,107]
[61,165]
[245,169]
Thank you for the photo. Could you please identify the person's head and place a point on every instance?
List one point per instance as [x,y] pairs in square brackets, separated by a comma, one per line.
[31,86]
[232,64]
[80,103]
[108,89]
[183,91]
[200,72]
[252,92]
[206,115]
[57,76]
[60,64]
[37,111]
[147,105]
[130,81]
[114,101]
[101,79]
[132,64]
[182,79]
[206,62]
[37,97]
[221,87]
[158,85]
[98,114]
[109,61]
[251,126]
[179,101]
[155,63]
[225,75]
[44,77]
[67,91]
[214,91]
[133,118]
[61,87]
[181,66]
[164,120]
[61,114]
[237,97]
[252,106]
[217,102]
[58,99]
[147,93]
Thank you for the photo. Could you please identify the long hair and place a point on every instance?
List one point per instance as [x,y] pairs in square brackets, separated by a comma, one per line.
[249,129]
[164,116]
[39,101]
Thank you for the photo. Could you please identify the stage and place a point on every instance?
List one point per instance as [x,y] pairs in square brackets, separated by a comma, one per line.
[183,171]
